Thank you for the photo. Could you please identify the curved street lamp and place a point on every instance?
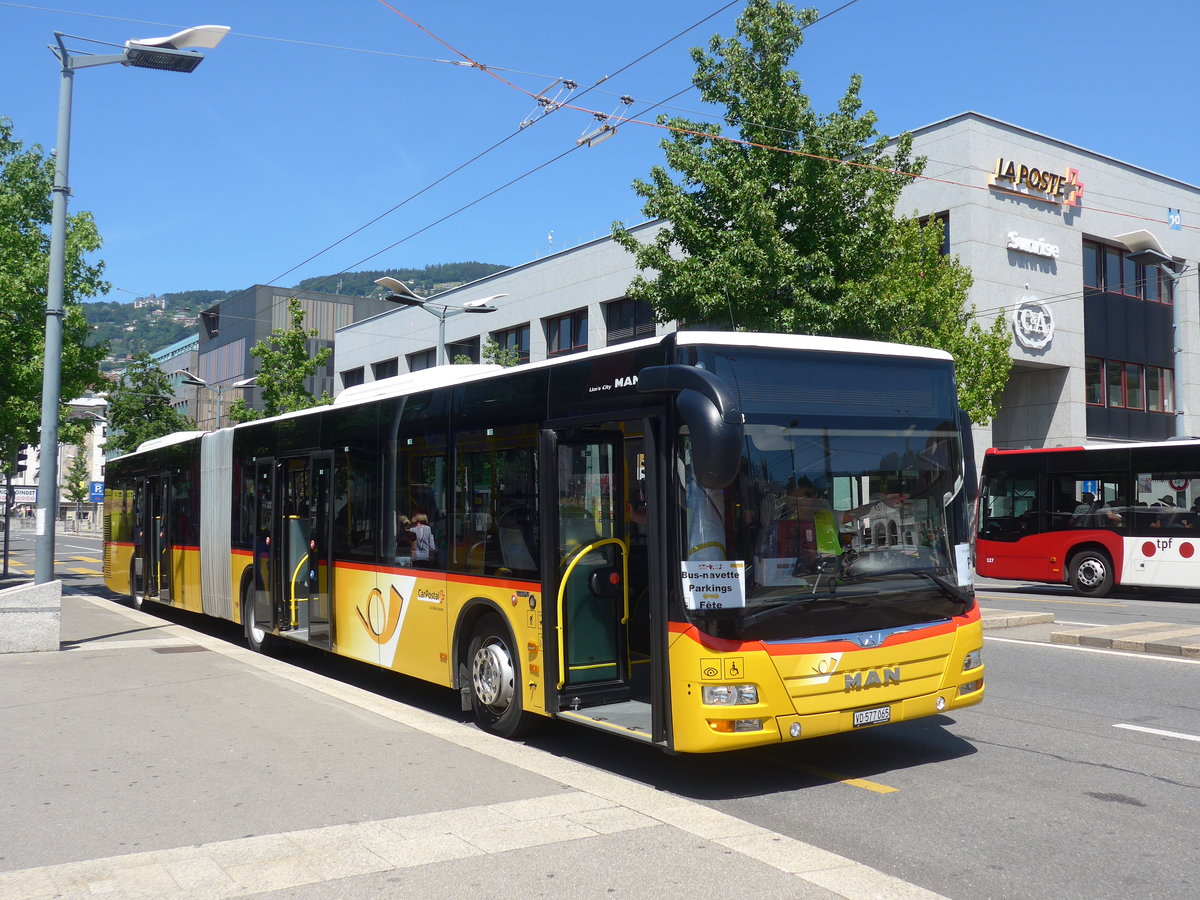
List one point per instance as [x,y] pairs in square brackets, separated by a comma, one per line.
[218,388]
[401,293]
[170,53]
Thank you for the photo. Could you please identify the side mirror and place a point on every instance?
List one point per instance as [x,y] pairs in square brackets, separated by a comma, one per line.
[970,476]
[711,415]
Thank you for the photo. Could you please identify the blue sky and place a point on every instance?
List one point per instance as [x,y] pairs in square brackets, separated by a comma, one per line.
[312,119]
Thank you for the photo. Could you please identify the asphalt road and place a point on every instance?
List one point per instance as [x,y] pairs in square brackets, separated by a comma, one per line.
[1079,775]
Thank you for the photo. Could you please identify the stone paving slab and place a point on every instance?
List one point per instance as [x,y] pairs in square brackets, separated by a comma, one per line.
[1164,638]
[1001,618]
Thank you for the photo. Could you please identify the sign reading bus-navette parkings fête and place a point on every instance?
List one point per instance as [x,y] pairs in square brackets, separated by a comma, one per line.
[713,583]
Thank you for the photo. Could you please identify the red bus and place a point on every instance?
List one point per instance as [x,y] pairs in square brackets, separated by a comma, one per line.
[1092,517]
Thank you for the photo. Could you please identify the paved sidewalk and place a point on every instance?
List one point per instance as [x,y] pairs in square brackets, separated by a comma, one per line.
[149,760]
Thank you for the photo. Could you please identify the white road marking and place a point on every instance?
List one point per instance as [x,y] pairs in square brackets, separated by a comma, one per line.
[1159,731]
[1129,653]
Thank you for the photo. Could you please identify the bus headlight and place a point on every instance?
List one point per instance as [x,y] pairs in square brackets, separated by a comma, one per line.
[973,660]
[728,694]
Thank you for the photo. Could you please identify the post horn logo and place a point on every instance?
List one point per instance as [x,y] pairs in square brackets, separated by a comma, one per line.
[381,619]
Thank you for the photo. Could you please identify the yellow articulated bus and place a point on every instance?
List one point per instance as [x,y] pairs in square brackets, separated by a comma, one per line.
[705,542]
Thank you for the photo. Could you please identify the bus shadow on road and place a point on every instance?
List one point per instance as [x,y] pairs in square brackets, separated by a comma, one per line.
[797,765]
[863,755]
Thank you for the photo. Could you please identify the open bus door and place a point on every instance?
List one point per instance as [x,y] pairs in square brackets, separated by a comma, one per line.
[597,579]
[265,576]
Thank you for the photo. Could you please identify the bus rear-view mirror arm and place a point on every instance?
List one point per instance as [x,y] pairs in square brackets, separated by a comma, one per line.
[711,415]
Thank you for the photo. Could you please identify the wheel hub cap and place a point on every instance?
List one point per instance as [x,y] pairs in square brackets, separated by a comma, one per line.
[492,675]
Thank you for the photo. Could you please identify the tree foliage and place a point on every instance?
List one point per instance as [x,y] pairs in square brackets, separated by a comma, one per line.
[285,362]
[792,226]
[493,352]
[26,176]
[76,482]
[139,406]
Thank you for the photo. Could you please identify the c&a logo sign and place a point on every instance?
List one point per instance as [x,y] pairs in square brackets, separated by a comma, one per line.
[1042,184]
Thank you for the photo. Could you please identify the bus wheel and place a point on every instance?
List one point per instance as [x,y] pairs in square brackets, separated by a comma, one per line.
[1091,573]
[258,639]
[495,690]
[137,587]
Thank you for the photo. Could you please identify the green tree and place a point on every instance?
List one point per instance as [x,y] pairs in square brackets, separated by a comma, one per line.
[76,481]
[26,176]
[792,225]
[139,406]
[285,362]
[492,352]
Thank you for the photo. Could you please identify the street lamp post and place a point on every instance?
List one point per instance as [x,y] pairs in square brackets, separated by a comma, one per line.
[218,388]
[171,53]
[402,294]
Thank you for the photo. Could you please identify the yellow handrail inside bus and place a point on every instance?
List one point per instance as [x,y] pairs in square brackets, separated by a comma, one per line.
[562,594]
[292,601]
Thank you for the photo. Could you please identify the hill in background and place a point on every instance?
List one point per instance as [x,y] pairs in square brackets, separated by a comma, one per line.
[151,323]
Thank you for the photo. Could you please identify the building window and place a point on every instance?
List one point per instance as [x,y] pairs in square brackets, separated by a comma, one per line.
[1110,269]
[629,320]
[944,218]
[1094,377]
[352,377]
[425,359]
[212,322]
[514,338]
[468,348]
[1091,265]
[567,334]
[386,369]
[1159,390]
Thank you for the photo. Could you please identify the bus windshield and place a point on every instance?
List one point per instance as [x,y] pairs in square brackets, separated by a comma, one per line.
[838,524]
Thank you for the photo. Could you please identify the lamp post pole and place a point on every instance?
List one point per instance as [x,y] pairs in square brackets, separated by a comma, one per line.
[169,53]
[47,495]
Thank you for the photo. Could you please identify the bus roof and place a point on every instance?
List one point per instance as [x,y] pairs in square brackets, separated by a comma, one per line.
[443,376]
[806,342]
[167,440]
[1115,445]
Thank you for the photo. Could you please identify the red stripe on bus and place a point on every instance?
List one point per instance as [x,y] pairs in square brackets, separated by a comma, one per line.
[721,645]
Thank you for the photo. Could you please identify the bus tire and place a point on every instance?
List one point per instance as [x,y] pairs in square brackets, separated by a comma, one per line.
[494,673]
[257,639]
[137,586]
[1091,573]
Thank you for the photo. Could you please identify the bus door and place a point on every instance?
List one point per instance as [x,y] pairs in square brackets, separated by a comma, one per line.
[592,553]
[320,552]
[265,532]
[291,547]
[157,494]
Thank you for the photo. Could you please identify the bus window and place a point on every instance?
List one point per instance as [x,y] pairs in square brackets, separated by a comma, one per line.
[1167,502]
[420,478]
[1008,508]
[496,509]
[355,504]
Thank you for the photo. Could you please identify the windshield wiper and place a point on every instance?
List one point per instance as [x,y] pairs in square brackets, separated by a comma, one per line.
[799,604]
[950,589]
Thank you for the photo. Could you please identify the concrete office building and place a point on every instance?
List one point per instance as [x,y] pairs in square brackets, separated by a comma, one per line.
[231,328]
[1047,228]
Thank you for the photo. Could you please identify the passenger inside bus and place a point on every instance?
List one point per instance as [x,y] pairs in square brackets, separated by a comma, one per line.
[1084,513]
